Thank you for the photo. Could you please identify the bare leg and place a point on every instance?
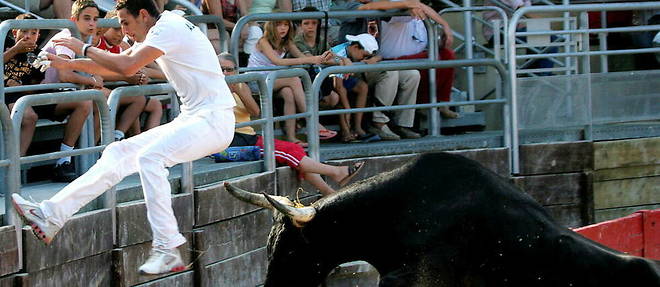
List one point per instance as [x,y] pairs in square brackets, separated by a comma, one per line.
[61,8]
[28,125]
[362,91]
[287,95]
[134,106]
[155,110]
[318,182]
[78,112]
[337,173]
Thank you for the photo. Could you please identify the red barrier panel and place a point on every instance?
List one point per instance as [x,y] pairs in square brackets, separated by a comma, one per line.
[637,234]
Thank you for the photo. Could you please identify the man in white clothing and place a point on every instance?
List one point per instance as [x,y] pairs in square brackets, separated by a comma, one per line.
[205,126]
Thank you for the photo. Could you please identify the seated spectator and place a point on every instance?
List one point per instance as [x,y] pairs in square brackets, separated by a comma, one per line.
[271,49]
[19,71]
[61,9]
[356,49]
[285,152]
[111,40]
[406,38]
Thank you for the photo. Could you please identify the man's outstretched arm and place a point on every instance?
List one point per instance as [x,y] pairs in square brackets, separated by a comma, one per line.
[127,63]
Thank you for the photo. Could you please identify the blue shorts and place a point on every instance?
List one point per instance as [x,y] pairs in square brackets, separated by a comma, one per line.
[350,83]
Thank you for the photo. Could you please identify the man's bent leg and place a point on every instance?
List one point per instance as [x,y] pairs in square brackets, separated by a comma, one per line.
[406,95]
[186,139]
[385,87]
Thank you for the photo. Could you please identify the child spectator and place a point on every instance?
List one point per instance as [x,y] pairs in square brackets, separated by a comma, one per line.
[19,71]
[285,152]
[356,49]
[270,51]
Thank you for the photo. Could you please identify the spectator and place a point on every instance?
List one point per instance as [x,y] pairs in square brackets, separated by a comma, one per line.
[514,5]
[285,152]
[270,51]
[356,49]
[19,71]
[298,5]
[61,8]
[406,38]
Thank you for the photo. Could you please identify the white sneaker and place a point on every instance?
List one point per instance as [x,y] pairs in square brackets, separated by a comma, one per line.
[32,215]
[162,261]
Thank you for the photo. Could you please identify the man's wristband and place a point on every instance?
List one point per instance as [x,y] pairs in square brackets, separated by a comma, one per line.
[84,49]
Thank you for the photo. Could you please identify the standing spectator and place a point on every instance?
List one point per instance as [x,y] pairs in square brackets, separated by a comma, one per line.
[406,38]
[270,51]
[287,153]
[19,71]
[356,49]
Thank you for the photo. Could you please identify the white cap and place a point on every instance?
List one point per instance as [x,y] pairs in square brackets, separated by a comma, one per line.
[367,41]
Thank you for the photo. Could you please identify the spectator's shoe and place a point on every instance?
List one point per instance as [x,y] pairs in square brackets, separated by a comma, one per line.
[32,215]
[65,172]
[162,261]
[384,133]
[406,133]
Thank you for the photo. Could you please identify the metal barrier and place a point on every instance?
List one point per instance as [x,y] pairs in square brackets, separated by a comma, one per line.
[11,161]
[7,25]
[311,104]
[403,65]
[584,31]
[212,19]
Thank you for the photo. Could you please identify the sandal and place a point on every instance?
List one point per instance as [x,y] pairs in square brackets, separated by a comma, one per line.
[348,137]
[352,172]
[327,134]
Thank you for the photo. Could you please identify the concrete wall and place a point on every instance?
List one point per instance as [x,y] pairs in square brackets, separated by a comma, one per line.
[578,182]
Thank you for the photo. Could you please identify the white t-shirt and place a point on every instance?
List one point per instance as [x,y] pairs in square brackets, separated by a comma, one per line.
[402,36]
[189,63]
[52,76]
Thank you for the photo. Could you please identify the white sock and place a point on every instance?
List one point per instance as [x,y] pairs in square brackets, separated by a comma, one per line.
[62,160]
[119,134]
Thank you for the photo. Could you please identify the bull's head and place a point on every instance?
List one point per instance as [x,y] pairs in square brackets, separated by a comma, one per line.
[293,258]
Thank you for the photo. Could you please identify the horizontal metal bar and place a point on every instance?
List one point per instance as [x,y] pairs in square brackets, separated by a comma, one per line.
[40,87]
[60,154]
[591,53]
[593,31]
[5,162]
[407,107]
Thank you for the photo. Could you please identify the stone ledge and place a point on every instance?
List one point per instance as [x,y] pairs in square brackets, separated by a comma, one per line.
[8,250]
[556,158]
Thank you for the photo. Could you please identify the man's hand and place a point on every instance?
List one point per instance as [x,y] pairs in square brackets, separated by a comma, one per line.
[449,37]
[58,62]
[72,43]
[372,60]
[23,46]
[13,83]
[139,78]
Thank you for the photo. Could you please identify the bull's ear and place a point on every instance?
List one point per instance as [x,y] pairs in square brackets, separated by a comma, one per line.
[251,197]
[300,216]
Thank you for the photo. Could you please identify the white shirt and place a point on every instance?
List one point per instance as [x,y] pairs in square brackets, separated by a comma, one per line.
[402,36]
[52,75]
[189,63]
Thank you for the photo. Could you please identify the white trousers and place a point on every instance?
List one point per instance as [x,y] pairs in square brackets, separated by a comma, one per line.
[188,137]
[391,86]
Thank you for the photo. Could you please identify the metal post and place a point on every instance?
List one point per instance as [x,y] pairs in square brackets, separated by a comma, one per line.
[12,177]
[434,117]
[586,68]
[469,46]
[602,39]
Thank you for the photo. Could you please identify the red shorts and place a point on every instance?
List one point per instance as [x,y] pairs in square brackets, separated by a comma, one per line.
[285,152]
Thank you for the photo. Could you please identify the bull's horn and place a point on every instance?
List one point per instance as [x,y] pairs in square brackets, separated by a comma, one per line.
[299,216]
[250,197]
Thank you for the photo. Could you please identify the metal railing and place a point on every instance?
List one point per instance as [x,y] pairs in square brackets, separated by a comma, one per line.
[585,51]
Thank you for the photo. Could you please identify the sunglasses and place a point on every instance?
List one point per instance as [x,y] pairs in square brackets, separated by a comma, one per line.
[228,69]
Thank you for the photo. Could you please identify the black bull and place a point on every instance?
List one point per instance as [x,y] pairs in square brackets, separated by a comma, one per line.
[441,220]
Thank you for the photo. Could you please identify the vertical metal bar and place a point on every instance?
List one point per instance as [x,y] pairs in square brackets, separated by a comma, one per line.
[586,68]
[12,177]
[312,101]
[497,39]
[602,39]
[469,48]
[266,96]
[513,109]
[567,25]
[434,117]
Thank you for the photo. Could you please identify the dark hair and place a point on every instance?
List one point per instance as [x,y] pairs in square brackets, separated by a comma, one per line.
[25,16]
[80,5]
[134,7]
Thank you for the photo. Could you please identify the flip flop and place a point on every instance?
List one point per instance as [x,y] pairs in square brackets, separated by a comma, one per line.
[353,170]
[327,134]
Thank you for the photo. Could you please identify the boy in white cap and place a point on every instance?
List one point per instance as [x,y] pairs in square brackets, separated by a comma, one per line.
[356,49]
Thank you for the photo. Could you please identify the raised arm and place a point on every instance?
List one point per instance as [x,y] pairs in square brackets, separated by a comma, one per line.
[271,54]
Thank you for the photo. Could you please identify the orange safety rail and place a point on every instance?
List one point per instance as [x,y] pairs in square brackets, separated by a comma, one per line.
[637,234]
